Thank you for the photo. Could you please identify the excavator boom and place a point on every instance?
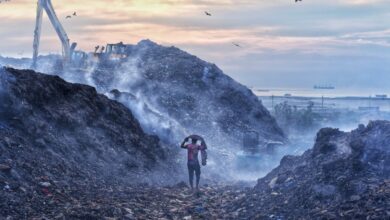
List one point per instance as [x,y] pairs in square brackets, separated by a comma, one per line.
[67,48]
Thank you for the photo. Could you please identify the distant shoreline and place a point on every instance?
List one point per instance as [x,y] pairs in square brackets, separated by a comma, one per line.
[343,93]
[325,97]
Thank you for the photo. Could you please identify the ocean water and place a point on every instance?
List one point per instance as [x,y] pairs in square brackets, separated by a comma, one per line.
[324,99]
[331,93]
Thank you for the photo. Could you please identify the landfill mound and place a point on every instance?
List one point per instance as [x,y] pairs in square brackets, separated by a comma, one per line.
[345,175]
[174,94]
[67,152]
[191,95]
[57,133]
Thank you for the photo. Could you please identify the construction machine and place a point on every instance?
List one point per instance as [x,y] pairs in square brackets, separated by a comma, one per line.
[112,52]
[72,58]
[252,144]
[67,48]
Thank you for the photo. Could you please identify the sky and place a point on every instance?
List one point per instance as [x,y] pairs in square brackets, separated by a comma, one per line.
[344,43]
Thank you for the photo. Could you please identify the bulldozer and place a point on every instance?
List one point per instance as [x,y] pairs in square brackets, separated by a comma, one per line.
[253,145]
[255,152]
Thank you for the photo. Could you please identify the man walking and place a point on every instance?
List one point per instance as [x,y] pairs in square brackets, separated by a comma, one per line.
[194,144]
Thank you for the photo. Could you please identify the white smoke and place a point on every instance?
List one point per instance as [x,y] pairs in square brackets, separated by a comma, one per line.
[129,80]
[226,157]
[128,77]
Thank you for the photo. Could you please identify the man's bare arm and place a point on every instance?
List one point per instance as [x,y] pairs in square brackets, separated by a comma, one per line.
[183,144]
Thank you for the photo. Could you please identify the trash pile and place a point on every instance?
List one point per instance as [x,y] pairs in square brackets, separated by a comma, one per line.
[168,87]
[174,94]
[52,201]
[67,152]
[193,92]
[345,175]
[58,135]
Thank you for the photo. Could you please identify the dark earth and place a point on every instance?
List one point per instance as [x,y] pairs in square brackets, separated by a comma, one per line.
[67,152]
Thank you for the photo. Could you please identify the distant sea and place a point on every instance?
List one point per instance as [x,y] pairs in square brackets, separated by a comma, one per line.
[331,93]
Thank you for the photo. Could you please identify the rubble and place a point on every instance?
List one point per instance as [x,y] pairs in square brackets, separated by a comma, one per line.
[60,137]
[45,184]
[179,86]
[76,154]
[190,91]
[67,152]
[174,94]
[345,175]
[4,168]
[121,202]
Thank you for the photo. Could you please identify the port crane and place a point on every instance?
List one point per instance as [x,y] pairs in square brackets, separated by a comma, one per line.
[67,48]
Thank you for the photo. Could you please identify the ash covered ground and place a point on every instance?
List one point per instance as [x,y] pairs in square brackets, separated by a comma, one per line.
[72,151]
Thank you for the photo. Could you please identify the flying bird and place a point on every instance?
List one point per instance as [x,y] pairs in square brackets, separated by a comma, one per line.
[74,14]
[67,17]
[236,44]
[207,13]
[297,1]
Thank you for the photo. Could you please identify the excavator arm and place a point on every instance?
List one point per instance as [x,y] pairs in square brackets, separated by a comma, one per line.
[37,33]
[67,48]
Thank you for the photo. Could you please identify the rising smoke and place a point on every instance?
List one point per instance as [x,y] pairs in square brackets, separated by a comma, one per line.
[172,105]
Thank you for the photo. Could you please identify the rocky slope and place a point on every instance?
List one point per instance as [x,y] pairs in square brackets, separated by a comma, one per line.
[127,202]
[191,95]
[56,133]
[174,94]
[345,175]
[67,152]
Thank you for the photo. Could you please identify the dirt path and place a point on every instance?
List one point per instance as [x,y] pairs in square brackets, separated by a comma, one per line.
[140,202]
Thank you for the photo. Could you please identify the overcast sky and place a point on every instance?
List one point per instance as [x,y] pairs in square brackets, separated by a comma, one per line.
[283,44]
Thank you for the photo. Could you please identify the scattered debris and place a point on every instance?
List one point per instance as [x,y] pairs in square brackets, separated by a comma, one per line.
[345,175]
[4,168]
[94,158]
[74,141]
[45,184]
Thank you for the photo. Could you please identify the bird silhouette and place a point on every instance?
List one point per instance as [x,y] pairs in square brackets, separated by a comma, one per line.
[67,17]
[236,44]
[297,1]
[207,13]
[74,14]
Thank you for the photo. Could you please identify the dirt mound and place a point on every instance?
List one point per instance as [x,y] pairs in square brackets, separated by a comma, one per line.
[174,94]
[57,133]
[190,95]
[345,175]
